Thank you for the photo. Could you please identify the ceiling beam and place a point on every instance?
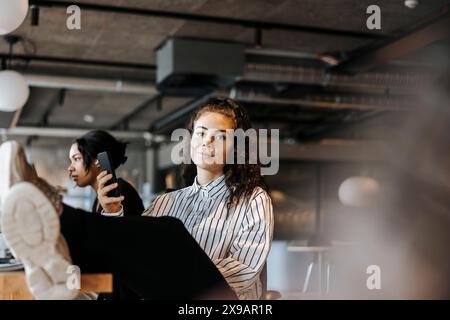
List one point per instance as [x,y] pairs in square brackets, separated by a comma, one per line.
[146,104]
[57,101]
[177,117]
[326,150]
[337,150]
[432,30]
[259,25]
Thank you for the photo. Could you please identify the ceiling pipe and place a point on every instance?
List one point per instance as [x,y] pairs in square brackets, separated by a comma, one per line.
[59,82]
[397,83]
[275,53]
[84,62]
[65,133]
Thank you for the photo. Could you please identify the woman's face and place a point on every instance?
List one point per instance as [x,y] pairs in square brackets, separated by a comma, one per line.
[210,142]
[77,171]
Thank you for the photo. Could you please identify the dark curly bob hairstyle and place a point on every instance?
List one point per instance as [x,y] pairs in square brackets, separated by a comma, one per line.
[241,179]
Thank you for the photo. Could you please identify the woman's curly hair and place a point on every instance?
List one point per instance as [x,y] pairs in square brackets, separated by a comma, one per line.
[241,179]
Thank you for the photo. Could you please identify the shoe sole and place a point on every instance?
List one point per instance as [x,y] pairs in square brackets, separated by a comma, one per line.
[31,228]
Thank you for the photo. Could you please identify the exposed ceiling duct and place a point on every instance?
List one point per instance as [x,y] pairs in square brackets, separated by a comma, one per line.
[375,82]
[196,67]
[351,102]
[259,73]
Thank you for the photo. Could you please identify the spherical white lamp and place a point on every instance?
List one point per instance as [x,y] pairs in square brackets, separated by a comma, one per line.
[14,91]
[359,191]
[12,14]
[411,3]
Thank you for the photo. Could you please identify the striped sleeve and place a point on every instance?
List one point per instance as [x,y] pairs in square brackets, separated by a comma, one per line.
[250,247]
[158,206]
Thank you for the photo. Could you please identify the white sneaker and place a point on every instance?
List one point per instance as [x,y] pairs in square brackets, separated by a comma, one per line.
[31,228]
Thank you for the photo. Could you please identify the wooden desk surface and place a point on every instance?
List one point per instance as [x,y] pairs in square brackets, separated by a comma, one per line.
[13,285]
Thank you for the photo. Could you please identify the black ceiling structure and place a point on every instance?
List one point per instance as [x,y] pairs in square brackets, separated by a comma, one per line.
[305,109]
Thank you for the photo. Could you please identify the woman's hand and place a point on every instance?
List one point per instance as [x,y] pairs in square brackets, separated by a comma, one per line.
[109,204]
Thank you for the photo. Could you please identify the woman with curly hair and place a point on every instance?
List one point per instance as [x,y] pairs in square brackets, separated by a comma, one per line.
[208,240]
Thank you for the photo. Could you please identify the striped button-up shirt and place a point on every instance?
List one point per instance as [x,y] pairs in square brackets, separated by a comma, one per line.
[236,239]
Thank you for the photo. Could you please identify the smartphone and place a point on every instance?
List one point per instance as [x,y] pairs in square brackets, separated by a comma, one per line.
[106,165]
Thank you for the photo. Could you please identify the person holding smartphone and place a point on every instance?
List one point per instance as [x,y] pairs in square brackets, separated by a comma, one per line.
[84,168]
[83,171]
[209,240]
